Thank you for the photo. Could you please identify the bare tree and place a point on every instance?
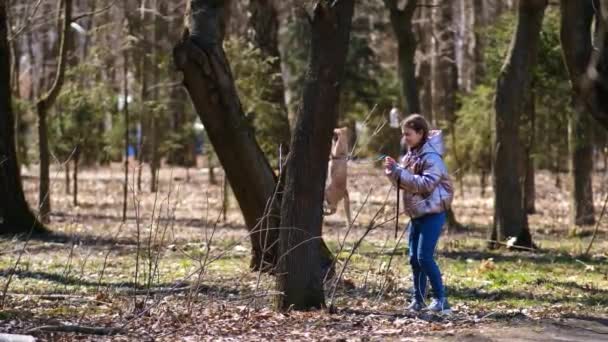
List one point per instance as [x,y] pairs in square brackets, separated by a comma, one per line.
[510,218]
[42,106]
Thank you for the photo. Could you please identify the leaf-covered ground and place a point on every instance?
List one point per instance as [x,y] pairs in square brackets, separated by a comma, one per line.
[186,277]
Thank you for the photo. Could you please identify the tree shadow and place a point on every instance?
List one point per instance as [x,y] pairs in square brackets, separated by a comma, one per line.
[597,296]
[76,281]
[183,222]
[538,257]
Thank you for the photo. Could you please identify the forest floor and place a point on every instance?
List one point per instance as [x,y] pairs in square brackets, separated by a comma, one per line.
[178,270]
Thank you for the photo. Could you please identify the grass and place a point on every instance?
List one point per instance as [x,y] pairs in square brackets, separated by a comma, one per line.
[475,277]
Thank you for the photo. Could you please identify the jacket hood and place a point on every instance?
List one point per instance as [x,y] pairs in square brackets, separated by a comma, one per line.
[434,144]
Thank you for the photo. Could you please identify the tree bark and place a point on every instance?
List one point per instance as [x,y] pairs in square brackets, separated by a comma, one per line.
[592,89]
[577,46]
[265,30]
[125,89]
[466,39]
[300,279]
[423,30]
[444,78]
[155,131]
[510,219]
[42,106]
[75,180]
[401,21]
[529,171]
[68,186]
[15,214]
[581,169]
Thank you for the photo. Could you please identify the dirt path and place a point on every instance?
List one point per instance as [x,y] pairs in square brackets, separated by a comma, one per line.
[591,329]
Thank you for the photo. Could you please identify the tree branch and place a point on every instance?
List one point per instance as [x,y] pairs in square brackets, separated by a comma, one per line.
[48,99]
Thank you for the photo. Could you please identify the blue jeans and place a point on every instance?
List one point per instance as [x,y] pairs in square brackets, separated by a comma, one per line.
[424,234]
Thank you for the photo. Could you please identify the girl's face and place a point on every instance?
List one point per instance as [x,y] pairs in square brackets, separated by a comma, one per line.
[412,138]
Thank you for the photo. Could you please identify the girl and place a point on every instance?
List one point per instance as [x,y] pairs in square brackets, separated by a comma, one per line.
[427,195]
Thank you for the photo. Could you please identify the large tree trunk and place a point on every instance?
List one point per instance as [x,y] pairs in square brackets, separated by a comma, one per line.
[42,106]
[209,81]
[401,21]
[15,214]
[510,218]
[466,39]
[581,169]
[300,277]
[576,47]
[265,26]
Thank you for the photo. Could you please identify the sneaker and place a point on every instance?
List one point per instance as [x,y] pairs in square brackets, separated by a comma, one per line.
[415,306]
[440,305]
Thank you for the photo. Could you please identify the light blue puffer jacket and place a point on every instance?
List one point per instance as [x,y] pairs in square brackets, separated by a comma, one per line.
[424,179]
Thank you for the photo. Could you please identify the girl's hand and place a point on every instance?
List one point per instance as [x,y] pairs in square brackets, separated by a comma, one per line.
[389,164]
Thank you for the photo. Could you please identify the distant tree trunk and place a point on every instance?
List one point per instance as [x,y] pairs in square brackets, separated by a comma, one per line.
[529,172]
[444,78]
[424,45]
[300,279]
[401,21]
[480,21]
[155,132]
[483,182]
[42,107]
[444,81]
[576,47]
[466,39]
[144,117]
[68,187]
[510,218]
[185,154]
[264,25]
[125,89]
[212,178]
[75,180]
[581,169]
[15,214]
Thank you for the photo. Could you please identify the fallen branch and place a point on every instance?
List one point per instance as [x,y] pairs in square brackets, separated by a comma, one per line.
[81,329]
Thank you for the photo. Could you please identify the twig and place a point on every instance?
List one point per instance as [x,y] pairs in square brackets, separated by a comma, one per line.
[27,21]
[350,227]
[93,13]
[388,267]
[529,249]
[597,226]
[371,226]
